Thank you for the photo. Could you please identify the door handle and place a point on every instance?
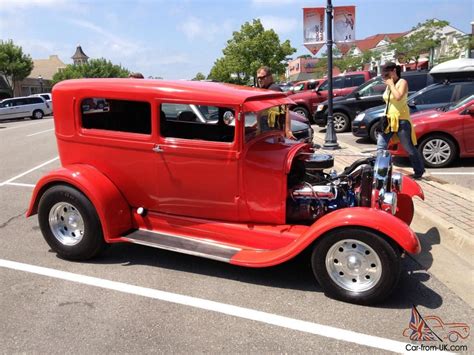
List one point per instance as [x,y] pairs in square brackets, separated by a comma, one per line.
[157,149]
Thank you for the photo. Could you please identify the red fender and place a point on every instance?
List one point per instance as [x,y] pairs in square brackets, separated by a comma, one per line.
[365,217]
[405,207]
[112,209]
[411,188]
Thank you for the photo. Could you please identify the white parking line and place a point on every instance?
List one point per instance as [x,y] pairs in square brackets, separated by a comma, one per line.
[241,312]
[34,134]
[20,126]
[29,171]
[19,184]
[451,173]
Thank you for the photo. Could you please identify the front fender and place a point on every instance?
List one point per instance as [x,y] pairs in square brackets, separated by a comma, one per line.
[364,217]
[411,188]
[112,208]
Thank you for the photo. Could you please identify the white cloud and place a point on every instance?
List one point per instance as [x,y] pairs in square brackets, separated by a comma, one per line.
[107,40]
[279,24]
[195,28]
[13,6]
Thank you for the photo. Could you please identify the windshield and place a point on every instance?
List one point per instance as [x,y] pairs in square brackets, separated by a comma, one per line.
[458,104]
[259,122]
[374,86]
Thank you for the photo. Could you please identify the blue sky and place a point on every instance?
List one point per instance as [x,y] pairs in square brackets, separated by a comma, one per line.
[176,39]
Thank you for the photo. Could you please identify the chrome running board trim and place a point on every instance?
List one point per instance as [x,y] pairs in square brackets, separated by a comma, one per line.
[182,244]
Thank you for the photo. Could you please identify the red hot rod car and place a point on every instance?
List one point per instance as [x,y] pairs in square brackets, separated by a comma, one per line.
[205,169]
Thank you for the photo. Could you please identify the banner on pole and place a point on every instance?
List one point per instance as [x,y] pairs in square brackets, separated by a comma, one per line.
[344,24]
[313,25]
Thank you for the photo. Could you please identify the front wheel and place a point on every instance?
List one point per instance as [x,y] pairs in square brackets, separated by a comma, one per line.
[301,111]
[356,265]
[70,224]
[341,122]
[374,132]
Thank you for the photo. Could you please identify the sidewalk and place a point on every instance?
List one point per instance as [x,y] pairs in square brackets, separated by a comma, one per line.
[444,221]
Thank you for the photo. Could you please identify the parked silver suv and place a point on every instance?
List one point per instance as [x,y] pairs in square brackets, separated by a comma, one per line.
[21,107]
[47,97]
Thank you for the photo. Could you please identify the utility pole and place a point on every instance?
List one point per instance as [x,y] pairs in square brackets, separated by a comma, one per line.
[330,139]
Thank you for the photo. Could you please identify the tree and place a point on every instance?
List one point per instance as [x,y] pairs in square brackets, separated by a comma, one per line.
[249,49]
[423,38]
[199,76]
[14,65]
[94,68]
[356,62]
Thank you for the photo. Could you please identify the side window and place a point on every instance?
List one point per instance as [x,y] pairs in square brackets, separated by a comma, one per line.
[116,115]
[20,102]
[338,82]
[312,85]
[354,80]
[35,100]
[436,96]
[8,103]
[466,90]
[46,97]
[416,82]
[201,122]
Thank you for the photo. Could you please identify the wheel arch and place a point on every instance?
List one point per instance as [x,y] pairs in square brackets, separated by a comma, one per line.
[111,207]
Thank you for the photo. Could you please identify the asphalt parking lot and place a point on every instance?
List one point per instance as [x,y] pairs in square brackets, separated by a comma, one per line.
[135,299]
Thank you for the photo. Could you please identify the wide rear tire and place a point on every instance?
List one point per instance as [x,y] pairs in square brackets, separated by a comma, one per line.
[356,265]
[70,224]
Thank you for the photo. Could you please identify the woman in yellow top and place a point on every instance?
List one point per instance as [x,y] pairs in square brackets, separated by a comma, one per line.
[398,117]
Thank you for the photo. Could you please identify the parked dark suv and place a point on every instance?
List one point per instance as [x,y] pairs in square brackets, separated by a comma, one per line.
[368,95]
[433,96]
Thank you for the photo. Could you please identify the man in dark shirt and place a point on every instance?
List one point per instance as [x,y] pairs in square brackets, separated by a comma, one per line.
[265,79]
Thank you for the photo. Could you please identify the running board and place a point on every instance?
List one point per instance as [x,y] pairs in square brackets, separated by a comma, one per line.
[182,244]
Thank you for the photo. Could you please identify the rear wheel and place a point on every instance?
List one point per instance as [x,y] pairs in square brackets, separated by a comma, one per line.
[437,151]
[341,122]
[37,115]
[356,265]
[70,224]
[302,111]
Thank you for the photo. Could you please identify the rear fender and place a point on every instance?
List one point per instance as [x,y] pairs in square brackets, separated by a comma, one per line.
[362,217]
[113,210]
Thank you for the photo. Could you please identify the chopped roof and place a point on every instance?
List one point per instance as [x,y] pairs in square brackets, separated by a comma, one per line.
[226,94]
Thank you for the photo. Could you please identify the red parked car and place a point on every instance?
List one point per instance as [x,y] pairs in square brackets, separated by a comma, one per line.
[205,169]
[443,134]
[306,102]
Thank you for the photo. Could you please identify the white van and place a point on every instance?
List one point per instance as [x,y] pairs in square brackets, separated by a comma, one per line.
[47,97]
[21,107]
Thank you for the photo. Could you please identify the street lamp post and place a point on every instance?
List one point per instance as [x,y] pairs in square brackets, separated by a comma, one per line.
[40,79]
[330,139]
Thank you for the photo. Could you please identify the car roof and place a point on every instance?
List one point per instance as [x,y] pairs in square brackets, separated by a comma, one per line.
[226,94]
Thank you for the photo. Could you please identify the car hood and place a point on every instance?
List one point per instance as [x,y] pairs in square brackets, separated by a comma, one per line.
[375,111]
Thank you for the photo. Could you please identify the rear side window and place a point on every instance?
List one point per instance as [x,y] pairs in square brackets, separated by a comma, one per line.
[20,102]
[35,100]
[416,82]
[116,115]
[438,95]
[46,97]
[467,89]
[354,80]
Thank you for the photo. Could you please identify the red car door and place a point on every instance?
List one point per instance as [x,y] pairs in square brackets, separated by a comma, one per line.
[468,129]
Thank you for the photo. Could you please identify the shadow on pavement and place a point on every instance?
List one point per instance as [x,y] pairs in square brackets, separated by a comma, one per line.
[295,274]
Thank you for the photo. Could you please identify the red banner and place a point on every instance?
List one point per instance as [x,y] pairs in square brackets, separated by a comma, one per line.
[344,24]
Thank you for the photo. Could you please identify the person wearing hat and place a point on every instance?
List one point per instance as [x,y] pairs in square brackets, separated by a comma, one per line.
[397,125]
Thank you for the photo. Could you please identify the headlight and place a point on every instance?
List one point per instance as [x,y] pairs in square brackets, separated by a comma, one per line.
[360,116]
[320,108]
[397,179]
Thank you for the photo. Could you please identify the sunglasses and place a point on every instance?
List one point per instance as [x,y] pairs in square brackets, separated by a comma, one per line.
[261,77]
